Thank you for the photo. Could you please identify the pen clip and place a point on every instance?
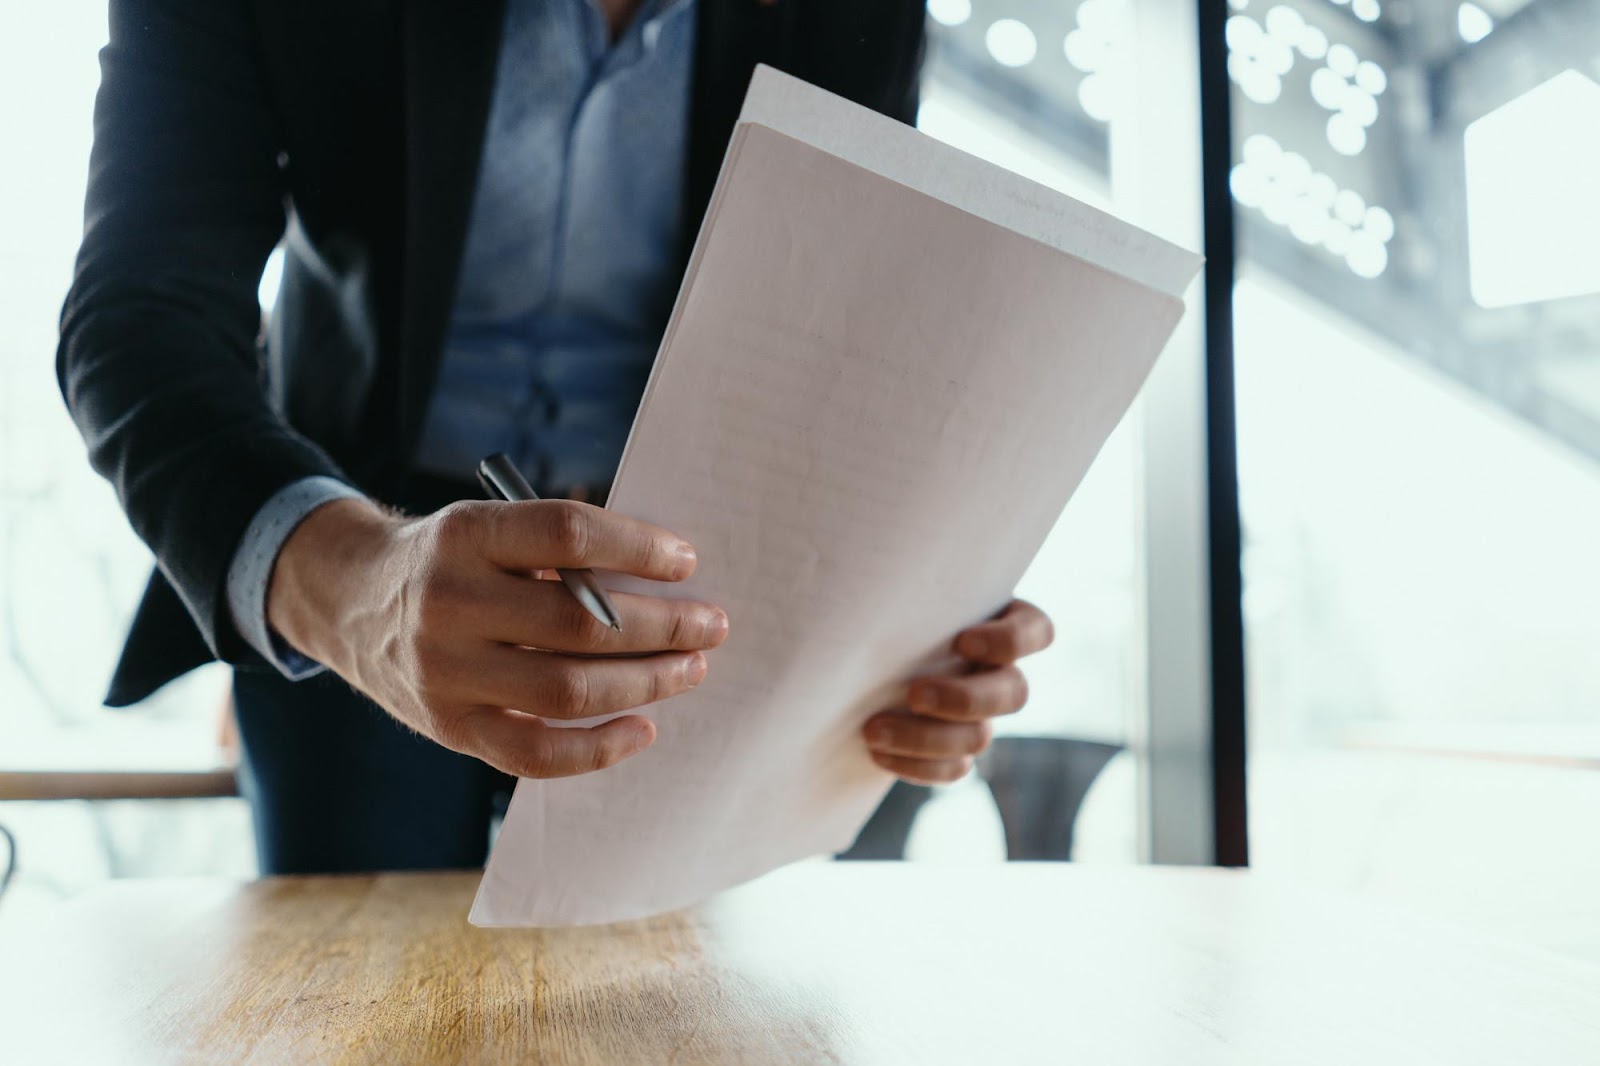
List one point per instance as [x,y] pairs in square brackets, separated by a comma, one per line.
[501,478]
[490,488]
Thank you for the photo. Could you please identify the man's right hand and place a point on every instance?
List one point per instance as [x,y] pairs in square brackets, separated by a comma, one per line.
[444,622]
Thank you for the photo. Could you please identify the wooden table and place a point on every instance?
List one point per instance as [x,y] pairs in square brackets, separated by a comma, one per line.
[839,963]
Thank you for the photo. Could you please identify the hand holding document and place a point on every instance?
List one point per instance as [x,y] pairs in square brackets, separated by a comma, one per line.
[889,366]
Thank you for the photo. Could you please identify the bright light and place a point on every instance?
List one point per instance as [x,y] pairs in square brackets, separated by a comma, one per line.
[950,12]
[1328,89]
[1366,258]
[1285,24]
[1275,56]
[1242,33]
[1086,51]
[1379,223]
[1261,150]
[1309,223]
[1011,43]
[1279,204]
[1337,240]
[1309,204]
[1313,43]
[1097,15]
[1533,219]
[1262,86]
[1248,184]
[1473,23]
[1094,96]
[1349,207]
[1342,60]
[1365,10]
[1371,78]
[1345,134]
[1293,170]
[271,279]
[1361,107]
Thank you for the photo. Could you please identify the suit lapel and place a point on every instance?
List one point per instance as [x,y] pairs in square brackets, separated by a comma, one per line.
[450,53]
[731,37]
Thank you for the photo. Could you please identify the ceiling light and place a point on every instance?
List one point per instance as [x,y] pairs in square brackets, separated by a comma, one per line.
[1345,135]
[1261,150]
[1011,43]
[1473,23]
[1379,223]
[1285,24]
[1313,43]
[1342,60]
[1366,257]
[1371,77]
[1350,207]
[950,12]
[1094,96]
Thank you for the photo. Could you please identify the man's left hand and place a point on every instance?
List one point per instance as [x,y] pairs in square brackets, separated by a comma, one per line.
[945,724]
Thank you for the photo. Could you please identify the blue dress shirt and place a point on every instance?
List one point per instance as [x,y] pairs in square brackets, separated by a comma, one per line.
[567,277]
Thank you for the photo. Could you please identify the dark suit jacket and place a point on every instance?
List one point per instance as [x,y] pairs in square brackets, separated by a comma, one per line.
[351,129]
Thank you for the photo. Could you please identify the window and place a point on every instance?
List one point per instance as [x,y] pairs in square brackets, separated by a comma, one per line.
[70,569]
[1418,349]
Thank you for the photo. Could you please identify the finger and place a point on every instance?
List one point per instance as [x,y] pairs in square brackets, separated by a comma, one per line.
[543,614]
[522,745]
[924,771]
[564,686]
[545,534]
[916,737]
[1019,630]
[987,693]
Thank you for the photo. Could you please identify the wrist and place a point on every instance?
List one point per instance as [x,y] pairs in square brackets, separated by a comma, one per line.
[324,566]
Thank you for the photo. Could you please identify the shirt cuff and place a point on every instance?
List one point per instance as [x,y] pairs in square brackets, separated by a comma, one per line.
[252,564]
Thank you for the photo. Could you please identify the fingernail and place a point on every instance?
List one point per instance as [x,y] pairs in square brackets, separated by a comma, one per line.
[716,629]
[924,698]
[975,645]
[694,671]
[879,734]
[686,558]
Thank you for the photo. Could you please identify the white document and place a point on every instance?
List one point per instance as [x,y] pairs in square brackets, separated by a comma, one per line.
[889,366]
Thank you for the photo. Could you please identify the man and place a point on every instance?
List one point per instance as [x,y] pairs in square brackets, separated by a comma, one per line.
[485,210]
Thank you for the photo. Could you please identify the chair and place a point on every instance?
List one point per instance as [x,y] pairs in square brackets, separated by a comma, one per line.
[1038,784]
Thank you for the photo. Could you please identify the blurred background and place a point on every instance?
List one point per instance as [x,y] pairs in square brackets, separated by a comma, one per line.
[1417,369]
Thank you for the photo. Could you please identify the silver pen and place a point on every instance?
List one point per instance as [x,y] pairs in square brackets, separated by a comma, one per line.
[501,478]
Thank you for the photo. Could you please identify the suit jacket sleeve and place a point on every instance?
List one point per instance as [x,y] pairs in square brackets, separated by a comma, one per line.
[157,359]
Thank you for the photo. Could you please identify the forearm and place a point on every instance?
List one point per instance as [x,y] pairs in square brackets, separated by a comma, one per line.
[327,587]
[255,559]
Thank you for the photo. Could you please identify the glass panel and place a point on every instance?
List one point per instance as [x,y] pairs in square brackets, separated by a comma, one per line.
[1027,86]
[70,569]
[1418,379]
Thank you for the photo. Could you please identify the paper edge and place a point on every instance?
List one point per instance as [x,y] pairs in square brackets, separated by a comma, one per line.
[875,142]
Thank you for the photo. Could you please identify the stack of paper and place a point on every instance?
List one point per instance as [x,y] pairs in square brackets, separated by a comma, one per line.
[889,366]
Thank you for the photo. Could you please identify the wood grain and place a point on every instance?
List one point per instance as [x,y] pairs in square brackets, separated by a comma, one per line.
[116,784]
[840,963]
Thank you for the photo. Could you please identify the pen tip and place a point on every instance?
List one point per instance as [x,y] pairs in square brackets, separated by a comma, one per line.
[617,626]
